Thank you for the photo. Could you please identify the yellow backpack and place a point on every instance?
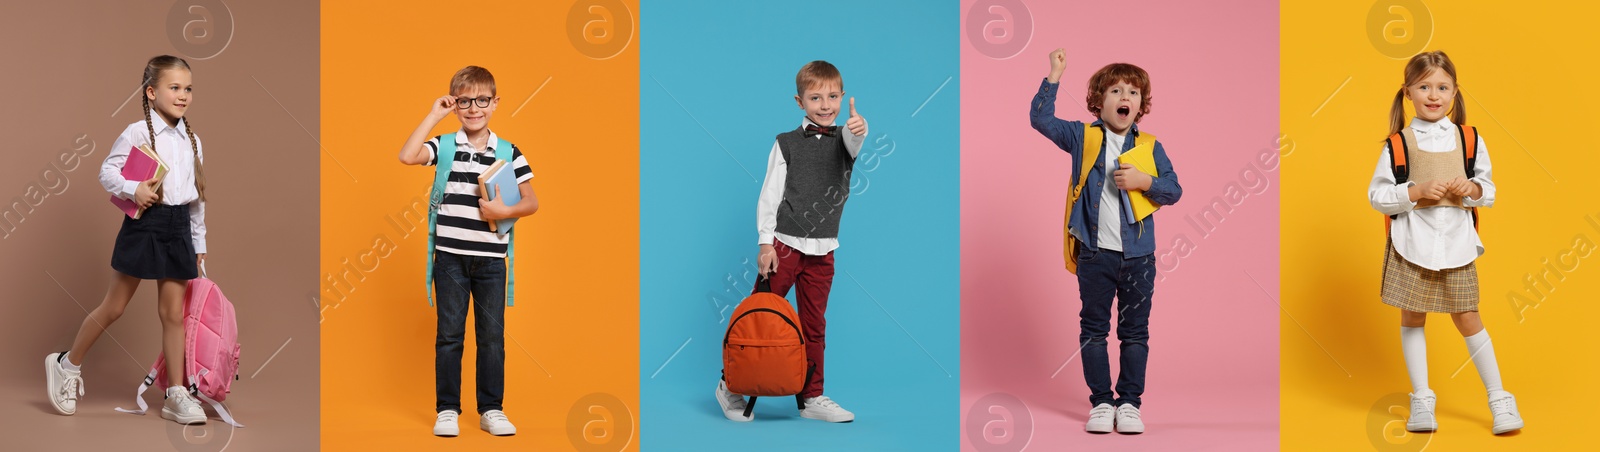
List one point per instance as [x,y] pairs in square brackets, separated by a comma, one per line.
[1094,138]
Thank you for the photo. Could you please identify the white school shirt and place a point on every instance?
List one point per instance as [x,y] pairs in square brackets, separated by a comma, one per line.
[177,188]
[1440,237]
[772,194]
[1110,235]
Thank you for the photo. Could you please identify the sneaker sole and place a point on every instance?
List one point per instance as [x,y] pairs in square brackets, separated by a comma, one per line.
[502,433]
[736,416]
[824,418]
[453,434]
[1431,427]
[1498,429]
[186,420]
[1096,428]
[52,384]
[1130,430]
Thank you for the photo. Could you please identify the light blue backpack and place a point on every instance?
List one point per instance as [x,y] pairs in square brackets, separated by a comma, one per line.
[447,150]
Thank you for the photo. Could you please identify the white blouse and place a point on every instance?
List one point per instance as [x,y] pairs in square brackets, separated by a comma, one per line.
[1440,237]
[172,144]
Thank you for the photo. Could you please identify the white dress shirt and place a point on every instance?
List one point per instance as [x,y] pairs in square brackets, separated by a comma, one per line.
[1440,237]
[772,195]
[177,188]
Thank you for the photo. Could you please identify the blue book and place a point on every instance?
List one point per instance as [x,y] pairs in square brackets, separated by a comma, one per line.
[501,176]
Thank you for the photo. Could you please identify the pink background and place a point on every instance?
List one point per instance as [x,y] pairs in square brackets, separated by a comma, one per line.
[1212,376]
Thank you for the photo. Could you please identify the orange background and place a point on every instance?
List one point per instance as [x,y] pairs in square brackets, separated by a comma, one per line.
[574,329]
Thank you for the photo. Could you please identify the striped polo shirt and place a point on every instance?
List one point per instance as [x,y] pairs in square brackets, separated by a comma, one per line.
[462,229]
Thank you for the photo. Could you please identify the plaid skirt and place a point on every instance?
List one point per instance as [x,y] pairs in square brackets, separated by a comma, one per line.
[1413,288]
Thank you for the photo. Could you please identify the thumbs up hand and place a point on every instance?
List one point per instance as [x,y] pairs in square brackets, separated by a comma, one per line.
[856,124]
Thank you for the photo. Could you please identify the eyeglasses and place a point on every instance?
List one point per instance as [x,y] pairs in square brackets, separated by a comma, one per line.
[466,102]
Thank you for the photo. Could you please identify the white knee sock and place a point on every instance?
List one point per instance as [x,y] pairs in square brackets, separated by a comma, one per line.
[1482,352]
[1414,345]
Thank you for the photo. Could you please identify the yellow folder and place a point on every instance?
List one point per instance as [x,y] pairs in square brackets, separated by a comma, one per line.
[1143,158]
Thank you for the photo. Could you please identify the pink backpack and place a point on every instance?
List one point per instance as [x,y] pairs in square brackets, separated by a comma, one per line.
[211,347]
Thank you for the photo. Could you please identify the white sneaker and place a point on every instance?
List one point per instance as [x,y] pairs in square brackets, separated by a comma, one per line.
[732,404]
[823,408]
[1422,419]
[1128,420]
[1504,408]
[1100,419]
[182,408]
[62,385]
[496,423]
[446,424]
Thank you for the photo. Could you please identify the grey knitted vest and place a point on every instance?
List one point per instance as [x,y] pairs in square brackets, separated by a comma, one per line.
[817,186]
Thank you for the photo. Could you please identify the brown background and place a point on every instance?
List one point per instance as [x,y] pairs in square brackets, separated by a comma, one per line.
[69,66]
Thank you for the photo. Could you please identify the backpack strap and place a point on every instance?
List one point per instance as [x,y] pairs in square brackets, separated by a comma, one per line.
[1469,148]
[1469,153]
[1093,141]
[1400,144]
[149,380]
[221,410]
[441,175]
[504,151]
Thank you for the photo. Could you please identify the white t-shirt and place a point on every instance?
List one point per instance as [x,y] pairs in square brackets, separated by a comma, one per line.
[1110,235]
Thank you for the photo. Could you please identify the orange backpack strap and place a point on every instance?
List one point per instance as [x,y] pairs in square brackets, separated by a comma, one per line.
[1469,152]
[1399,149]
[1469,148]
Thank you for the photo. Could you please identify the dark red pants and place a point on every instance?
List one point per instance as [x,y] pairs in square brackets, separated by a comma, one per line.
[812,278]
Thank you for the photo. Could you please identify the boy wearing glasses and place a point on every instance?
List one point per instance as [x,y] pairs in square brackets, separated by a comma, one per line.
[469,260]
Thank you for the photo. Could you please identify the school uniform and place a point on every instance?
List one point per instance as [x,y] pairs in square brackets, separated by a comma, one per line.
[1429,259]
[798,212]
[163,242]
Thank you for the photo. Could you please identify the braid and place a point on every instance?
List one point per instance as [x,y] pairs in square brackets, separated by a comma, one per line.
[151,127]
[199,175]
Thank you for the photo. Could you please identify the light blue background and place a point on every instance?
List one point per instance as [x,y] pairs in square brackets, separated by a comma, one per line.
[716,87]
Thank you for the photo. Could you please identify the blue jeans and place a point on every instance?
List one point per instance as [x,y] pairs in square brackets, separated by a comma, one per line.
[1103,274]
[483,279]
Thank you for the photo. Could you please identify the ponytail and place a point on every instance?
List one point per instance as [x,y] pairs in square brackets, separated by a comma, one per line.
[1397,113]
[1458,114]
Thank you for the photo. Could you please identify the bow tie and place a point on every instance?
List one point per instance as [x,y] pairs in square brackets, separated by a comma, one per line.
[814,130]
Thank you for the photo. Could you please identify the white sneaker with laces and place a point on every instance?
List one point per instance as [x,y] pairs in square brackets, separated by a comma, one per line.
[1422,419]
[445,424]
[1100,419]
[732,404]
[63,386]
[1128,420]
[823,408]
[496,423]
[1504,407]
[182,407]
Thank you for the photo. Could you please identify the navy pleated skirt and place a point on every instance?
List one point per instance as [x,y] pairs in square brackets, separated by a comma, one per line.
[158,245]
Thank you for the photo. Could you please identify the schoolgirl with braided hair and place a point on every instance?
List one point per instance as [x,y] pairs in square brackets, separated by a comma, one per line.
[167,243]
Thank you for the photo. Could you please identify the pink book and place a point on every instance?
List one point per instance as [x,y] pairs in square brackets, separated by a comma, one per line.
[142,165]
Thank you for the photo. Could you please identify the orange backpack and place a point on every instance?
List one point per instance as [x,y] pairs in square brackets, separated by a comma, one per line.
[764,351]
[1400,144]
